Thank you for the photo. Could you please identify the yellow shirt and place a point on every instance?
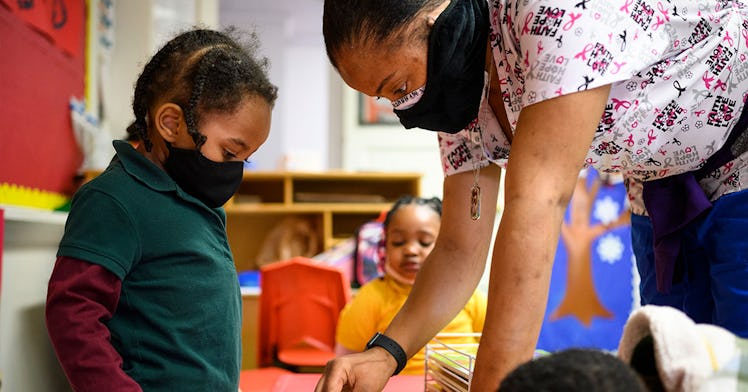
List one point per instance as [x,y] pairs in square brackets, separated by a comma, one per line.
[376,304]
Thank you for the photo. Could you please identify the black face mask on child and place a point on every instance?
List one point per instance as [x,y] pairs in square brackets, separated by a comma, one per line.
[455,69]
[211,182]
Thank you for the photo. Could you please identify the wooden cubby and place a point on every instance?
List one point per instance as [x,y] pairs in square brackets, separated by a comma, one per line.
[335,204]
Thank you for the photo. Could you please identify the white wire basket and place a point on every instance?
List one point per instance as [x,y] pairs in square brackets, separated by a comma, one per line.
[449,366]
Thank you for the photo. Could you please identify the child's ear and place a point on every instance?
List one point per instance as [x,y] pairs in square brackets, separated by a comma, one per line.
[169,121]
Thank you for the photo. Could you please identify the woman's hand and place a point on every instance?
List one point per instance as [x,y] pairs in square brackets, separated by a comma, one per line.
[367,371]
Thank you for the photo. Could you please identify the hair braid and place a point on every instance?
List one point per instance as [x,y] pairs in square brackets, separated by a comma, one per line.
[434,203]
[205,67]
[141,100]
[216,71]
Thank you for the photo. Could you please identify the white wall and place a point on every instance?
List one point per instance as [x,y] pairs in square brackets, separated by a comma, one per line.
[27,360]
[132,47]
[140,28]
[304,108]
[291,37]
[389,148]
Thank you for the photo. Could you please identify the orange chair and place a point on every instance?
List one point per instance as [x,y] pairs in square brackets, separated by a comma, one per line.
[300,302]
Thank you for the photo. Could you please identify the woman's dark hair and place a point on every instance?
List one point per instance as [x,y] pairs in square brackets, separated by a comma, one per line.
[434,203]
[350,22]
[202,71]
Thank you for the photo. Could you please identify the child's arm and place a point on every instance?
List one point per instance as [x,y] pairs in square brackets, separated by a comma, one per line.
[342,350]
[80,298]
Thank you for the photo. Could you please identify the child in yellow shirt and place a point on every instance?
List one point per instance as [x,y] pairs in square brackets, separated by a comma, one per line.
[411,227]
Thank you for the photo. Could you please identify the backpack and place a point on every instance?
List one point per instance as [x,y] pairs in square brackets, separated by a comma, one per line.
[368,256]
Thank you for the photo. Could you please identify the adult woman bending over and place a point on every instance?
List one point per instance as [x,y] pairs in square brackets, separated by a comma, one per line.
[649,88]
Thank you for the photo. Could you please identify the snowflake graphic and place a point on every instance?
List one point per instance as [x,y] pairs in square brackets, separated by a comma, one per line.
[610,248]
[606,210]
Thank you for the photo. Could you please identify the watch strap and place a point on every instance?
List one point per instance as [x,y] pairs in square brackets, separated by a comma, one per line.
[392,347]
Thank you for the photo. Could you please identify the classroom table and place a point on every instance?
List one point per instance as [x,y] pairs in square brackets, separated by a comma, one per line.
[307,381]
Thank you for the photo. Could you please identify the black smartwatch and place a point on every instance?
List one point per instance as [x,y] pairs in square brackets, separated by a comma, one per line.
[381,340]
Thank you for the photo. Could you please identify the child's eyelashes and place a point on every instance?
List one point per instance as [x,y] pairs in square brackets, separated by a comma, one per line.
[424,244]
[231,156]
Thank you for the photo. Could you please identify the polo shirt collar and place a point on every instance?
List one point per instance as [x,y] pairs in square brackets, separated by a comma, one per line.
[138,166]
[141,168]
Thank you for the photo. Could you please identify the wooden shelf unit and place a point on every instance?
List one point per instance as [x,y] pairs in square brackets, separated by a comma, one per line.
[336,203]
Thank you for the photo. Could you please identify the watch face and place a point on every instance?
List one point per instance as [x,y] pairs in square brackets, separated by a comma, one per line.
[372,340]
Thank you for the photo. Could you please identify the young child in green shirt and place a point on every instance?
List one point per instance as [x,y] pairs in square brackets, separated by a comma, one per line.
[144,294]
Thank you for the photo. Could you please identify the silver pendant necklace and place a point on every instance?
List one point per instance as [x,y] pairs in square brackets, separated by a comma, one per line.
[475,196]
[477,137]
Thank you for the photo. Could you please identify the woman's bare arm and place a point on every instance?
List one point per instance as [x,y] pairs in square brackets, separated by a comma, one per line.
[549,146]
[451,272]
[443,286]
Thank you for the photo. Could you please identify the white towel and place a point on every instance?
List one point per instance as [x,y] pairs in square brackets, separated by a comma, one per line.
[689,356]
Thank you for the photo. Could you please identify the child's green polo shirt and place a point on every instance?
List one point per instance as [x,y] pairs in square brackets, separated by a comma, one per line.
[178,321]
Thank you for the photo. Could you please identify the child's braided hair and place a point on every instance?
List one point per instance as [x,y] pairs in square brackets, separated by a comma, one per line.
[434,203]
[202,71]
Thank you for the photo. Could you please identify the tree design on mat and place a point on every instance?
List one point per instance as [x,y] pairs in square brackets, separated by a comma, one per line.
[581,299]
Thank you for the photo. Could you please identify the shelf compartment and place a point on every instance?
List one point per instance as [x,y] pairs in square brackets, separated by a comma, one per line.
[260,189]
[248,233]
[368,190]
[345,225]
[250,208]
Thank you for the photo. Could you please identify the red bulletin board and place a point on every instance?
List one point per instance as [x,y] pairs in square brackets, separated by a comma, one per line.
[42,44]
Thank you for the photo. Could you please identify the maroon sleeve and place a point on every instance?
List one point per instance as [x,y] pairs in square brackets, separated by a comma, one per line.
[81,296]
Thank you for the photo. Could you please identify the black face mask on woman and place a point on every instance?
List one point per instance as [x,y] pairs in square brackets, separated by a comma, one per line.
[454,75]
[211,182]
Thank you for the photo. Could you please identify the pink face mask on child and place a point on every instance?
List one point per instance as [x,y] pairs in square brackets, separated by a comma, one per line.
[409,99]
[392,273]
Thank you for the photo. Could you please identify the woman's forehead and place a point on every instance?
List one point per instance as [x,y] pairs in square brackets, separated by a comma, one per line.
[366,67]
